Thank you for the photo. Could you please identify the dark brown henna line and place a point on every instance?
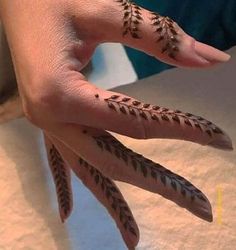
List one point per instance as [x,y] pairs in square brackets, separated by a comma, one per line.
[167,34]
[158,113]
[91,179]
[132,18]
[112,195]
[147,167]
[59,173]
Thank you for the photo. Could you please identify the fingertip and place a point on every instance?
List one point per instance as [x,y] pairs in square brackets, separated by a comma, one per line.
[224,144]
[210,53]
[203,209]
[194,54]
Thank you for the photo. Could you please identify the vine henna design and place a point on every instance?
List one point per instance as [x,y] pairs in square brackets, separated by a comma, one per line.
[145,171]
[167,33]
[106,192]
[62,182]
[113,197]
[164,26]
[183,189]
[129,106]
[132,18]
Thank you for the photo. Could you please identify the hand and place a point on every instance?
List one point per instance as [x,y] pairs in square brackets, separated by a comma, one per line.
[10,103]
[50,42]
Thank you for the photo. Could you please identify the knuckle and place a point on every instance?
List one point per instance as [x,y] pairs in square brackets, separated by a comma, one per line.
[41,102]
[48,98]
[37,111]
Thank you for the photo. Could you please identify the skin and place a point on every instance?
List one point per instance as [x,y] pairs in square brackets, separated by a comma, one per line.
[50,42]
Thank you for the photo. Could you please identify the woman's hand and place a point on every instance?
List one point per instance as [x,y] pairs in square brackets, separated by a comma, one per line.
[50,42]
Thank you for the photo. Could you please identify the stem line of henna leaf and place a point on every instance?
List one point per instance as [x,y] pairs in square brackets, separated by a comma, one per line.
[131,19]
[61,178]
[167,34]
[113,196]
[105,190]
[168,184]
[136,108]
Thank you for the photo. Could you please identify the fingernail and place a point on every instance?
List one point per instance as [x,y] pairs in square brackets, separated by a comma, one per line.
[211,54]
[223,143]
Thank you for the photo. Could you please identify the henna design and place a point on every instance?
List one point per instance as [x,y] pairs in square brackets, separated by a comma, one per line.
[147,111]
[112,194]
[61,180]
[132,18]
[167,33]
[148,168]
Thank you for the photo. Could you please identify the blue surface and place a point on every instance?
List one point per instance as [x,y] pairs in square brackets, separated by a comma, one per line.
[212,22]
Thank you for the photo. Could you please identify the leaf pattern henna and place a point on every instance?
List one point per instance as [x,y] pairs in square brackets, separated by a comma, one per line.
[60,175]
[127,105]
[164,27]
[148,168]
[113,196]
[132,18]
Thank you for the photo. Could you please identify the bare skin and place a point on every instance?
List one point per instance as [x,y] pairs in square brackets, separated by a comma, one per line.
[50,42]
